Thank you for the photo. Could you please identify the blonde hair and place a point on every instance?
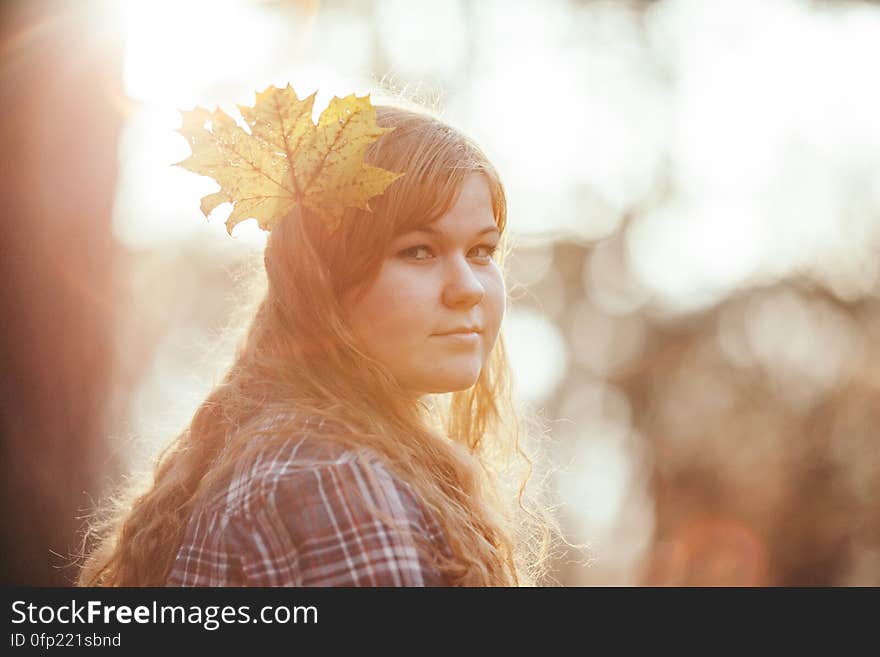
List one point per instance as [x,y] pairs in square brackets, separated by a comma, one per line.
[463,453]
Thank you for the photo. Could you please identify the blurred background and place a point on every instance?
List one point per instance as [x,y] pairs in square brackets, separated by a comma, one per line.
[694,193]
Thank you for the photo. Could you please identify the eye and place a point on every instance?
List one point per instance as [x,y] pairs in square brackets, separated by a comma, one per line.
[407,253]
[489,250]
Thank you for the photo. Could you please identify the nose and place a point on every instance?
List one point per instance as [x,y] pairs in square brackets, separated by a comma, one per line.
[462,288]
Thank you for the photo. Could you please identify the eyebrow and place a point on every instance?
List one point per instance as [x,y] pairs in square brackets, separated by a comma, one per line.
[433,231]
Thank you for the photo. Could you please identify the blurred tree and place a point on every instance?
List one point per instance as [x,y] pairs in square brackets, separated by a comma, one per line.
[59,135]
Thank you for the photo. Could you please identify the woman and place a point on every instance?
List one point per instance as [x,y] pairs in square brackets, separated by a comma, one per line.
[326,456]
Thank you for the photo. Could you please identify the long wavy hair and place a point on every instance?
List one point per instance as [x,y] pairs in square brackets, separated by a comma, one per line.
[464,452]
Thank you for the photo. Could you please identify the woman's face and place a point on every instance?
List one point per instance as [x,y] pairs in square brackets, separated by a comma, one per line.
[435,279]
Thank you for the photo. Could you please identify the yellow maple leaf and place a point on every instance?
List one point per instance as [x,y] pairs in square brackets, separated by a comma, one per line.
[286,160]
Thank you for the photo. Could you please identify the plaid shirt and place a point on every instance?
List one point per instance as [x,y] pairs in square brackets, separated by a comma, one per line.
[294,518]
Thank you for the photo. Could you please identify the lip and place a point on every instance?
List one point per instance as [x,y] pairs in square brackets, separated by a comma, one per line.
[462,331]
[461,337]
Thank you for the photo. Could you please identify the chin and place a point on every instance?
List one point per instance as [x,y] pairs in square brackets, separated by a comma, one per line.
[451,383]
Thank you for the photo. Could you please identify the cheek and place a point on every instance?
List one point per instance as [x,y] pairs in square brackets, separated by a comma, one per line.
[494,302]
[386,310]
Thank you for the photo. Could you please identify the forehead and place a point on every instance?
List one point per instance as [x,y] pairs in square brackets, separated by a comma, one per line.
[471,213]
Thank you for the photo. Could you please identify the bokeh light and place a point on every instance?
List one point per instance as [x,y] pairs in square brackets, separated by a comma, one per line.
[694,202]
[693,198]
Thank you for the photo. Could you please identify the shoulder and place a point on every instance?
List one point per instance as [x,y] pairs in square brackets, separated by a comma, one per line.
[278,448]
[317,512]
[304,456]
